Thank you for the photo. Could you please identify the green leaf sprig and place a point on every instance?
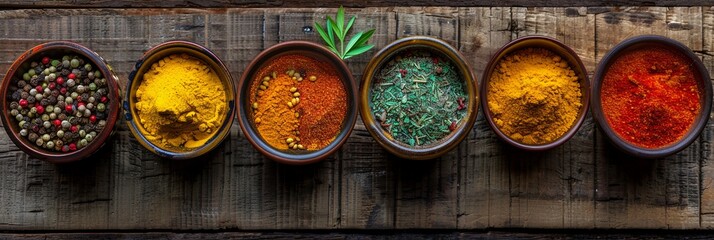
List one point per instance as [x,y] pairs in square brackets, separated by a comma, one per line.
[357,44]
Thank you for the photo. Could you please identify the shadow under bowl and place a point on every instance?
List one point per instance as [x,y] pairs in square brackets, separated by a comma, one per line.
[703,82]
[559,49]
[55,50]
[382,136]
[245,116]
[144,64]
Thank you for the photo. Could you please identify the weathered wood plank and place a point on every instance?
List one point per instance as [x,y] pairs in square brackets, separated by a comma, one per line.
[426,191]
[371,3]
[647,193]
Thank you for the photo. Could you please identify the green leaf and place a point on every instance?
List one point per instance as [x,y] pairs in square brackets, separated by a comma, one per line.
[358,50]
[341,22]
[335,28]
[330,41]
[330,33]
[365,37]
[352,42]
[349,24]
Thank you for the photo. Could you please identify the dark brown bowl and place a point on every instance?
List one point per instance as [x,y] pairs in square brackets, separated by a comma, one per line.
[312,50]
[564,52]
[383,137]
[143,65]
[54,49]
[702,75]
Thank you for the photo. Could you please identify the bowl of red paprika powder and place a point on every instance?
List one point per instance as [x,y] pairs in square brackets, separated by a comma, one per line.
[60,102]
[298,102]
[418,98]
[651,96]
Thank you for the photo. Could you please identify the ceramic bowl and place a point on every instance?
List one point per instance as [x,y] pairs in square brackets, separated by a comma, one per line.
[136,76]
[57,49]
[701,75]
[382,136]
[565,53]
[314,51]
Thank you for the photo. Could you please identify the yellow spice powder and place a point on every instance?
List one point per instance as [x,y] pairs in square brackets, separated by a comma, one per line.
[534,96]
[180,103]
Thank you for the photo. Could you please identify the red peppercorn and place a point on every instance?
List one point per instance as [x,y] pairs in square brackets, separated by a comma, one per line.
[452,127]
[23,103]
[60,80]
[45,60]
[51,86]
[40,109]
[403,72]
[93,118]
[435,60]
[103,99]
[65,148]
[74,128]
[79,103]
[461,104]
[79,98]
[39,89]
[57,122]
[72,147]
[71,76]
[63,90]
[68,108]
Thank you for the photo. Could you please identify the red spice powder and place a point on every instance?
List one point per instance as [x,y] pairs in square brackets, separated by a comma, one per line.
[650,97]
[323,102]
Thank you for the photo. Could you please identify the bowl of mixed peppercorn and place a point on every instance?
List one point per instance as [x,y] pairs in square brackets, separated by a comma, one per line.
[60,102]
[418,98]
[651,96]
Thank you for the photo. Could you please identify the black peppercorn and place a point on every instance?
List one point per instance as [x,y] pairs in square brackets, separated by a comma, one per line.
[26,88]
[21,83]
[30,99]
[24,95]
[52,100]
[16,96]
[62,116]
[74,121]
[65,72]
[14,105]
[41,131]
[44,102]
[32,137]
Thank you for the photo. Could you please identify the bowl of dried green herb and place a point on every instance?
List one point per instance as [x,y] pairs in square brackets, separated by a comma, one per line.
[419,98]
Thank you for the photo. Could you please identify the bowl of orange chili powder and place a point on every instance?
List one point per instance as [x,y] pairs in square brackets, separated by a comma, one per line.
[298,102]
[651,96]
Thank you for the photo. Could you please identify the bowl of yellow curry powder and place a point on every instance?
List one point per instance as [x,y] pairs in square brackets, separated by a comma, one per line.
[298,102]
[535,93]
[180,100]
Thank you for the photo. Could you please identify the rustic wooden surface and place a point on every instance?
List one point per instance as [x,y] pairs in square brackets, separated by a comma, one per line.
[583,184]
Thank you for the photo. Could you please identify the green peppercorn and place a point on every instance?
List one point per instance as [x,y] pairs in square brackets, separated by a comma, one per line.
[97,74]
[53,69]
[31,72]
[45,117]
[19,117]
[23,132]
[89,137]
[65,58]
[65,63]
[101,107]
[46,71]
[50,145]
[92,87]
[83,142]
[60,133]
[46,137]
[39,142]
[74,63]
[26,76]
[88,67]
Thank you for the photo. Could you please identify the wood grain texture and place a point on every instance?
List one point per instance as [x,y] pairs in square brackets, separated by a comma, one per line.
[334,4]
[584,184]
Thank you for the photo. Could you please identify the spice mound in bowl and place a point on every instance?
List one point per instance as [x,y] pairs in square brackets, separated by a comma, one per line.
[652,99]
[299,102]
[418,98]
[535,93]
[180,103]
[60,102]
[180,100]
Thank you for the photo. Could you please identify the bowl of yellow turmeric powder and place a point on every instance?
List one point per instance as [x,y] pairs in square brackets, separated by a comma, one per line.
[535,93]
[180,101]
[298,102]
